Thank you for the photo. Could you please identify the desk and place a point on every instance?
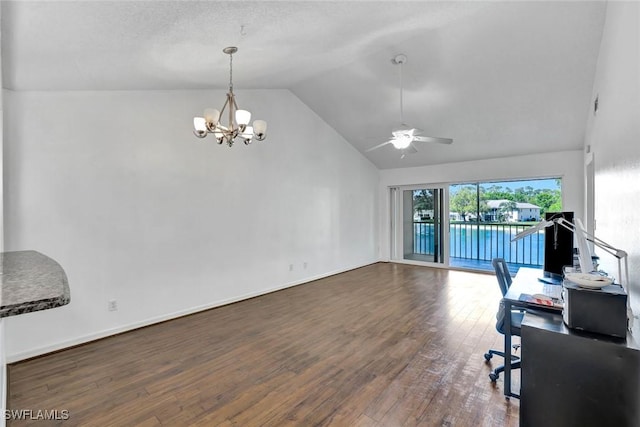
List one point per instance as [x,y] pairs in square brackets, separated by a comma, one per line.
[572,378]
[525,282]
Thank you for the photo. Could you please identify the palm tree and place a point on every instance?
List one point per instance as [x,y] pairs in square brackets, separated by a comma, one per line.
[422,201]
[506,210]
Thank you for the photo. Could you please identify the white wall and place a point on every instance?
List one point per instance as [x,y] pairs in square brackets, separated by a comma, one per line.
[115,187]
[565,164]
[3,366]
[613,136]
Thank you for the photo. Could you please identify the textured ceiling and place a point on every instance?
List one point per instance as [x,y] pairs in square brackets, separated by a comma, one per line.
[500,78]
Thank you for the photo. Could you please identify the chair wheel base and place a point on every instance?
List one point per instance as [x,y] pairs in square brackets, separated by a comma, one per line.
[488,356]
[493,377]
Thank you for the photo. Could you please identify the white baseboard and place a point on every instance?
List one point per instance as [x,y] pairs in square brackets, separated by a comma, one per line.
[13,358]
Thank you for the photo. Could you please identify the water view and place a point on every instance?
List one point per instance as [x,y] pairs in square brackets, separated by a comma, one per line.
[484,242]
[483,218]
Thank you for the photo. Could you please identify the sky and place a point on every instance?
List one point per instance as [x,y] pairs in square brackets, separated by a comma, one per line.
[534,183]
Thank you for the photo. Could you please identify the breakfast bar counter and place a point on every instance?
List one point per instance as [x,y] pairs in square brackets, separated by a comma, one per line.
[31,282]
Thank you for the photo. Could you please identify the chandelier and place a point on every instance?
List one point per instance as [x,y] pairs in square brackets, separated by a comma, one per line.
[238,120]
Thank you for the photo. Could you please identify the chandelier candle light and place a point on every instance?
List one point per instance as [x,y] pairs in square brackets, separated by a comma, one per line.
[238,124]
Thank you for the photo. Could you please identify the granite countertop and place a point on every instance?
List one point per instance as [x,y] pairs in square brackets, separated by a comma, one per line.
[31,282]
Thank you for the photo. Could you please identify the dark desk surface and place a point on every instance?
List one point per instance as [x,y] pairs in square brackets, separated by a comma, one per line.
[573,378]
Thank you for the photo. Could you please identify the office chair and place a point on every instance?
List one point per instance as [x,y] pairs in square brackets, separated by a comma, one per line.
[504,281]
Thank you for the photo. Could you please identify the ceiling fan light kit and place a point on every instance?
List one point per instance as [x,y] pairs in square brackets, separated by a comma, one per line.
[237,126]
[404,136]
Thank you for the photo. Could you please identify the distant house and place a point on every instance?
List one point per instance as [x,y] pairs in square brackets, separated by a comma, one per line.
[423,215]
[522,211]
[455,216]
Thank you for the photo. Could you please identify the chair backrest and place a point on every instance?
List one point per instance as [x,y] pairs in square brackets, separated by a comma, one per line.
[500,317]
[502,273]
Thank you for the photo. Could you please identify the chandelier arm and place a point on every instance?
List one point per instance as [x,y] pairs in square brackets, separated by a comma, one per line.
[226,102]
[233,98]
[221,111]
[232,102]
[235,108]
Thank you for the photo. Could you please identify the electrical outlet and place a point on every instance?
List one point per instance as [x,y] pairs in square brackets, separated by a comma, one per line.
[113,305]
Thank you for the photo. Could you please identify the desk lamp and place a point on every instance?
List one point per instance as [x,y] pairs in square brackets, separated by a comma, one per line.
[585,254]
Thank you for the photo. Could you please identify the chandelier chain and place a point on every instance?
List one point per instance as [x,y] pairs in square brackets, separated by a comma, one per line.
[231,72]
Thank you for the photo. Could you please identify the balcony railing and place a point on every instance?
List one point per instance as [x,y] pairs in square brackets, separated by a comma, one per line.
[483,242]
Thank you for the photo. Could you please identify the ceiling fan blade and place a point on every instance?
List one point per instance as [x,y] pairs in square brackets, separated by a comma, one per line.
[433,139]
[410,150]
[378,146]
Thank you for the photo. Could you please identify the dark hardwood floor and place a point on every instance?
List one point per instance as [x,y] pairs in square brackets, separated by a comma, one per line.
[383,345]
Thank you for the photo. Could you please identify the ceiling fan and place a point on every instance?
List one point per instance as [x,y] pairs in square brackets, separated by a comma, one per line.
[404,136]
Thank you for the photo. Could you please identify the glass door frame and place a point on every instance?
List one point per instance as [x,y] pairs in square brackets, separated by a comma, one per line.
[396,214]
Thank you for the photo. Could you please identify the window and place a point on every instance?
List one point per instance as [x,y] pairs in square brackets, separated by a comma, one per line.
[484,217]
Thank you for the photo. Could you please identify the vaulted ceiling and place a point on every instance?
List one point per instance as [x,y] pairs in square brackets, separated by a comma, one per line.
[500,78]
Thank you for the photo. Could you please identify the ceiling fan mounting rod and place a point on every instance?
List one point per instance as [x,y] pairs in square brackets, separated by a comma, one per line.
[399,60]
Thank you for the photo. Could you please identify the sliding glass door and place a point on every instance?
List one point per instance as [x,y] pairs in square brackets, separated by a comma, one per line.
[466,225]
[418,224]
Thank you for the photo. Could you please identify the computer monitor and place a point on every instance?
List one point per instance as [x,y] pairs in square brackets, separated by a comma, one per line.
[558,245]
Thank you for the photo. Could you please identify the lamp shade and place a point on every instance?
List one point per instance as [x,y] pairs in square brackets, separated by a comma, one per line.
[211,115]
[248,132]
[247,135]
[200,127]
[259,127]
[243,117]
[199,123]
